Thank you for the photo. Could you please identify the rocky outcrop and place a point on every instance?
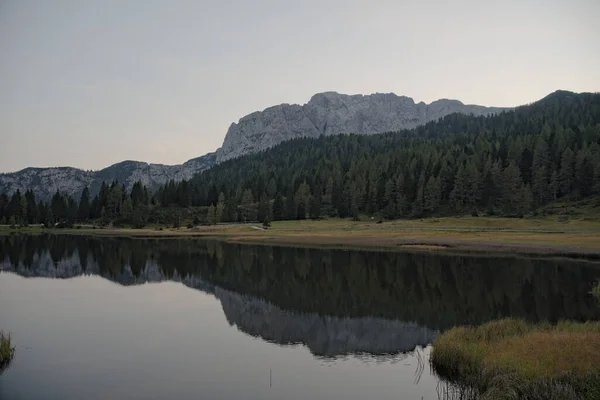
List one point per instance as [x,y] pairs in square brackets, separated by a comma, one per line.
[46,181]
[332,113]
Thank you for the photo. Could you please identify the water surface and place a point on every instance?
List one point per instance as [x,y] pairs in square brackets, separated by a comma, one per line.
[100,318]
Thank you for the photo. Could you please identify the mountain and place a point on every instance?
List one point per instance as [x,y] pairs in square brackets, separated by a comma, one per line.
[326,113]
[509,164]
[46,181]
[332,113]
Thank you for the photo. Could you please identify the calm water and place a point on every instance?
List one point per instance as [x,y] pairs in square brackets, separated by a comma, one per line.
[100,318]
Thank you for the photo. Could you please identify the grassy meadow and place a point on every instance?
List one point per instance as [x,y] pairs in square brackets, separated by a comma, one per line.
[541,235]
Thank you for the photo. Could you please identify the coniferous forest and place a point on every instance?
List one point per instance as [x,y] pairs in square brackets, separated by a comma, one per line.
[509,164]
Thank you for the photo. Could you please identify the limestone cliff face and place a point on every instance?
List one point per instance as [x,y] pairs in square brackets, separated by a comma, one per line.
[332,113]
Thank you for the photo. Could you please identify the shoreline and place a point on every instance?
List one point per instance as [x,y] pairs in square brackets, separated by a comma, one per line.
[579,239]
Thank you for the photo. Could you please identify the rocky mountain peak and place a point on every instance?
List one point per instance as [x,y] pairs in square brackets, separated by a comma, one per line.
[331,113]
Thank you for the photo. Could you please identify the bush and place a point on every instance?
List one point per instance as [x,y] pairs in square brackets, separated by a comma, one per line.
[266,223]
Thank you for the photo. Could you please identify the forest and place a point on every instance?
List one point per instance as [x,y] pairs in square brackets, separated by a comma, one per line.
[509,164]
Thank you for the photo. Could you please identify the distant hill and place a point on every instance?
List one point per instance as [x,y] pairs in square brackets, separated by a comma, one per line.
[46,181]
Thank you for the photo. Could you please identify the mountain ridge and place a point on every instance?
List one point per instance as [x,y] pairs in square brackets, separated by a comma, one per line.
[70,180]
[330,113]
[326,113]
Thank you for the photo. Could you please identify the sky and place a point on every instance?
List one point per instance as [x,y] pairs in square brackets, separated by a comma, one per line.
[91,83]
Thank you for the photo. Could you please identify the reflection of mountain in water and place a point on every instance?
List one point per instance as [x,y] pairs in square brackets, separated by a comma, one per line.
[314,296]
[324,335]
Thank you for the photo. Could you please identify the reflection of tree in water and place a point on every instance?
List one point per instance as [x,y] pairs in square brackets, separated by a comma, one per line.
[434,290]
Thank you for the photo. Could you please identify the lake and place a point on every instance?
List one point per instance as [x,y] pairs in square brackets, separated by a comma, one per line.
[103,318]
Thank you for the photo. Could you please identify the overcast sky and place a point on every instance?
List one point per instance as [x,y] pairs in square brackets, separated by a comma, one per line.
[91,83]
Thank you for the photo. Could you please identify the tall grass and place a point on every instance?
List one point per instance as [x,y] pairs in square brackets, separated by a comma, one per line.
[510,359]
[7,351]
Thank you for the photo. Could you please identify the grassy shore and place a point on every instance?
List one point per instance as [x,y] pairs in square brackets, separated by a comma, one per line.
[520,360]
[7,351]
[530,236]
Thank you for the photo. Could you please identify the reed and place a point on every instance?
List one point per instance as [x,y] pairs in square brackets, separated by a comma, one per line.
[7,351]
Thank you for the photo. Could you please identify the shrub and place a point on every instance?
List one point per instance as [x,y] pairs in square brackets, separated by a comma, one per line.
[266,223]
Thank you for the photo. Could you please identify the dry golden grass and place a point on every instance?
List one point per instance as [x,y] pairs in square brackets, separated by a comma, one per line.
[546,354]
[521,356]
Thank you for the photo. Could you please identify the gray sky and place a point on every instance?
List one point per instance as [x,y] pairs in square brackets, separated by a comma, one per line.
[91,83]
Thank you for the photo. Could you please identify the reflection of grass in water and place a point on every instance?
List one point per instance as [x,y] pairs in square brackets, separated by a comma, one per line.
[527,360]
[7,352]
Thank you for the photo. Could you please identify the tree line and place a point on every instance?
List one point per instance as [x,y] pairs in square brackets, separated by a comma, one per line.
[113,204]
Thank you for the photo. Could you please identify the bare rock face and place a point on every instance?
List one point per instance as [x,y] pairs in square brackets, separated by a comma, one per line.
[331,113]
[46,181]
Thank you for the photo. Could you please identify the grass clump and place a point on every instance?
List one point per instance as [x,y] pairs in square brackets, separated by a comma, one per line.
[596,292]
[510,359]
[7,351]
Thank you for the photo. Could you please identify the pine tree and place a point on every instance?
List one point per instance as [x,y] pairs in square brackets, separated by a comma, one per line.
[263,208]
[314,207]
[301,211]
[58,207]
[23,212]
[511,189]
[554,186]
[220,209]
[84,205]
[433,194]
[566,175]
[540,171]
[278,208]
[127,209]
[291,212]
[33,215]
[211,217]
